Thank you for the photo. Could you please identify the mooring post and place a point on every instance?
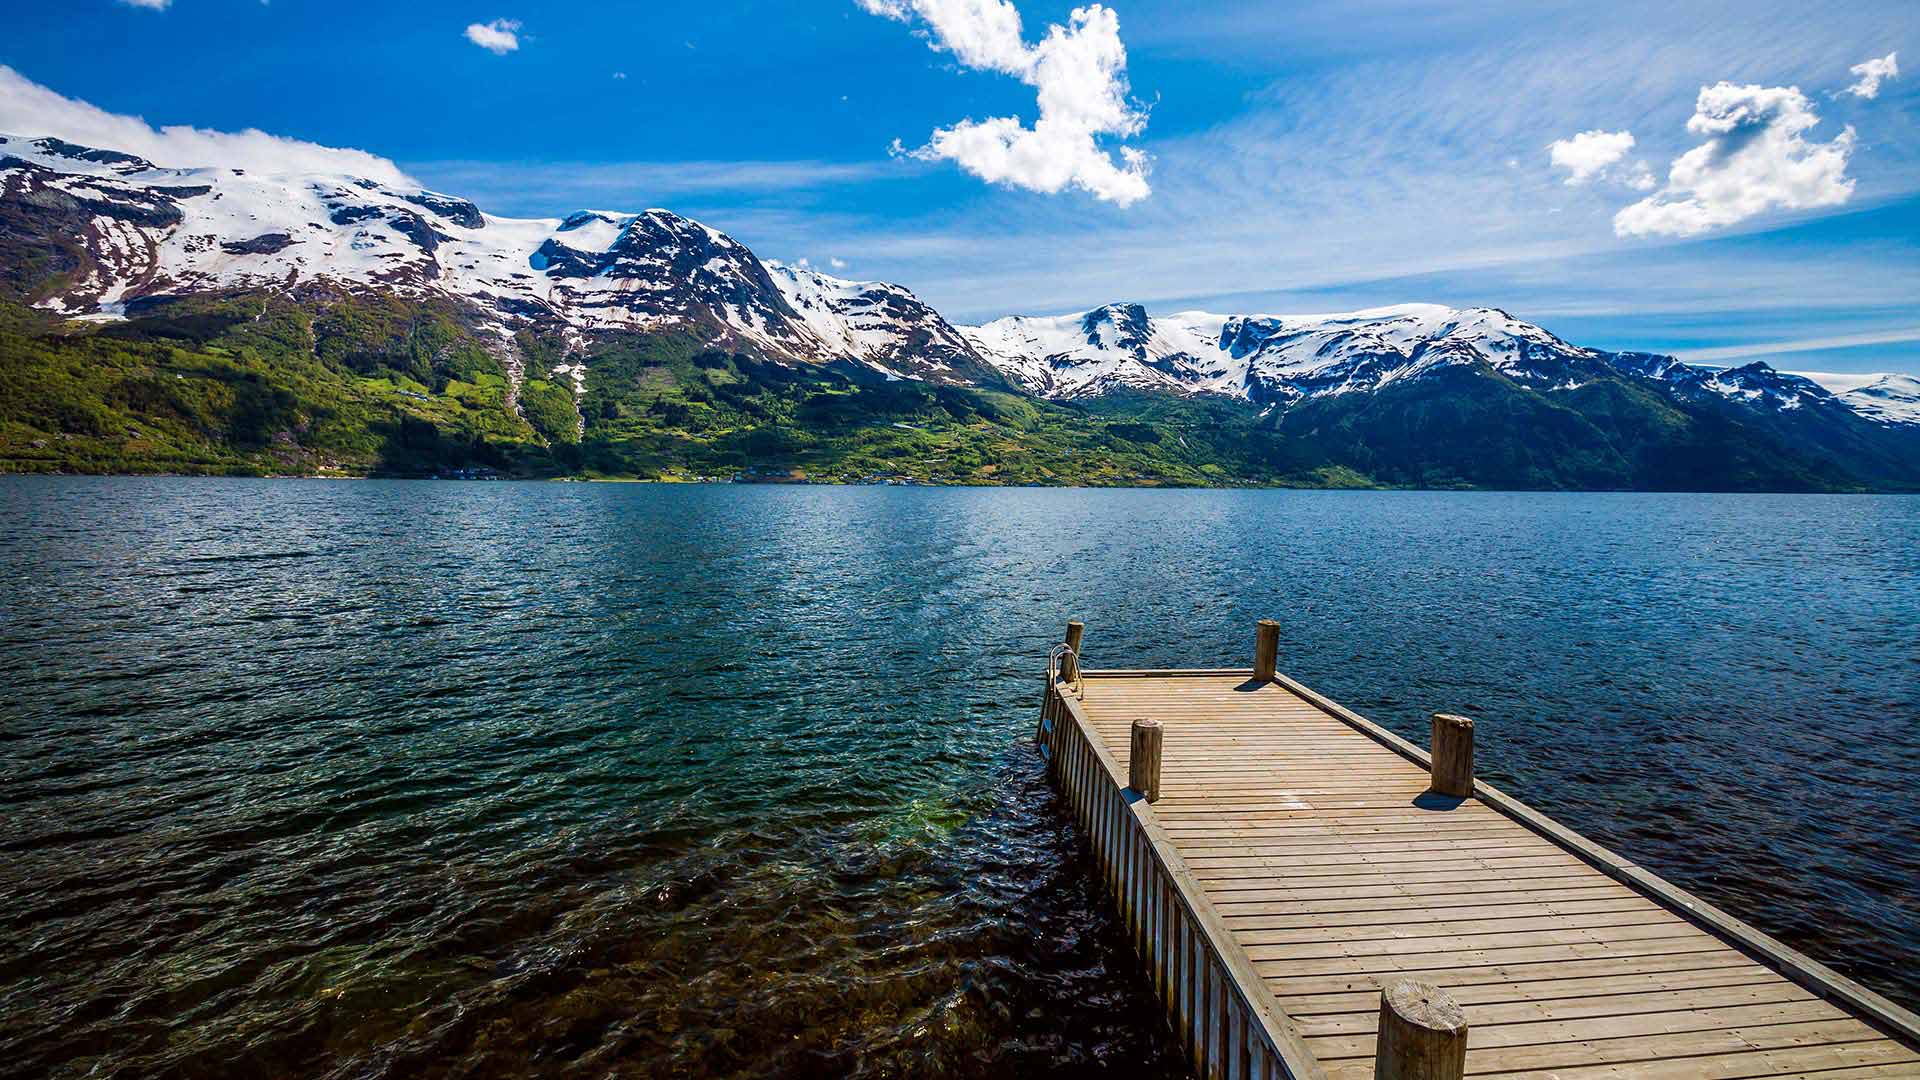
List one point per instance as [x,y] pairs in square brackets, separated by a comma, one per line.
[1266,651]
[1452,755]
[1070,663]
[1423,1034]
[1143,759]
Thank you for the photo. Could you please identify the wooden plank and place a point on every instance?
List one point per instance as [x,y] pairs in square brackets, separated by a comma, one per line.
[1245,879]
[1367,917]
[1429,927]
[1416,894]
[1233,887]
[1288,982]
[1814,1062]
[1381,949]
[1705,1023]
[1663,1000]
[1501,866]
[1662,978]
[1289,863]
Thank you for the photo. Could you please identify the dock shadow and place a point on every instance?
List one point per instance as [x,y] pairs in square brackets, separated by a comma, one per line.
[1433,800]
[1249,686]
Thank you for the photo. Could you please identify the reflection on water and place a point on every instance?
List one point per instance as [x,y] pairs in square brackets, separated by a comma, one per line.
[398,779]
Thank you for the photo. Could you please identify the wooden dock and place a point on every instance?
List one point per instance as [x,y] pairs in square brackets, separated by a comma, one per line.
[1296,862]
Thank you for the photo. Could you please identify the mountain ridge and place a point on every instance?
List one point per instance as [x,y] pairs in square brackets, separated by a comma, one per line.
[97,237]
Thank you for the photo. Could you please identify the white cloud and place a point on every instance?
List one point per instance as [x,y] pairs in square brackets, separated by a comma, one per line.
[1871,73]
[1078,72]
[156,5]
[499,37]
[1589,154]
[1599,155]
[837,264]
[1755,159]
[27,108]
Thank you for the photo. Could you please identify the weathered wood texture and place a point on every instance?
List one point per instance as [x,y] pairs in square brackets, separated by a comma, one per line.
[1266,650]
[1423,1034]
[1452,755]
[1296,864]
[1143,759]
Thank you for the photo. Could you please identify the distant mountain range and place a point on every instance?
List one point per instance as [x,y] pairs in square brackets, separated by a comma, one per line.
[653,344]
[1283,359]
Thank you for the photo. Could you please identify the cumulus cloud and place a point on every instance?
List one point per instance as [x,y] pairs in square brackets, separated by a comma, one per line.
[1590,154]
[27,108]
[1078,72]
[1755,158]
[1871,73]
[499,37]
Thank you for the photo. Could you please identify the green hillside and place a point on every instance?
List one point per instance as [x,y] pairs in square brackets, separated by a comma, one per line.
[327,383]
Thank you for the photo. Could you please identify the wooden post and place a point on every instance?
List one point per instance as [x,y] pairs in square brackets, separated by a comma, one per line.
[1070,663]
[1266,651]
[1452,755]
[1423,1034]
[1143,759]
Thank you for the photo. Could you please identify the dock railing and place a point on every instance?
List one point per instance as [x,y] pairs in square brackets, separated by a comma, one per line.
[1227,1021]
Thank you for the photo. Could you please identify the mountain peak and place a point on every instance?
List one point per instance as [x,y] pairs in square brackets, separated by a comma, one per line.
[1118,326]
[1888,399]
[85,158]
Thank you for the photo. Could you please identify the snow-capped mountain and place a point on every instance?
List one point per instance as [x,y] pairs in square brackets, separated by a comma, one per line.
[1880,398]
[97,234]
[1270,359]
[1282,359]
[1108,348]
[881,325]
[137,232]
[1888,398]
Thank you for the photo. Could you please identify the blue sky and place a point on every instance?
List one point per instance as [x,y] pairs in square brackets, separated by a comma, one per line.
[1299,157]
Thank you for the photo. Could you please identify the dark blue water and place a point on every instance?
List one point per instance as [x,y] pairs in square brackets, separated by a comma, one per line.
[305,778]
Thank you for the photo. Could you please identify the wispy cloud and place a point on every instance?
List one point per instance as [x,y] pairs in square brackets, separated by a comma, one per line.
[150,5]
[27,108]
[549,187]
[1079,74]
[1821,344]
[499,37]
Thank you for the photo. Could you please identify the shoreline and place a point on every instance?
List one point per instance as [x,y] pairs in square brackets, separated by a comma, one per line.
[1169,486]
